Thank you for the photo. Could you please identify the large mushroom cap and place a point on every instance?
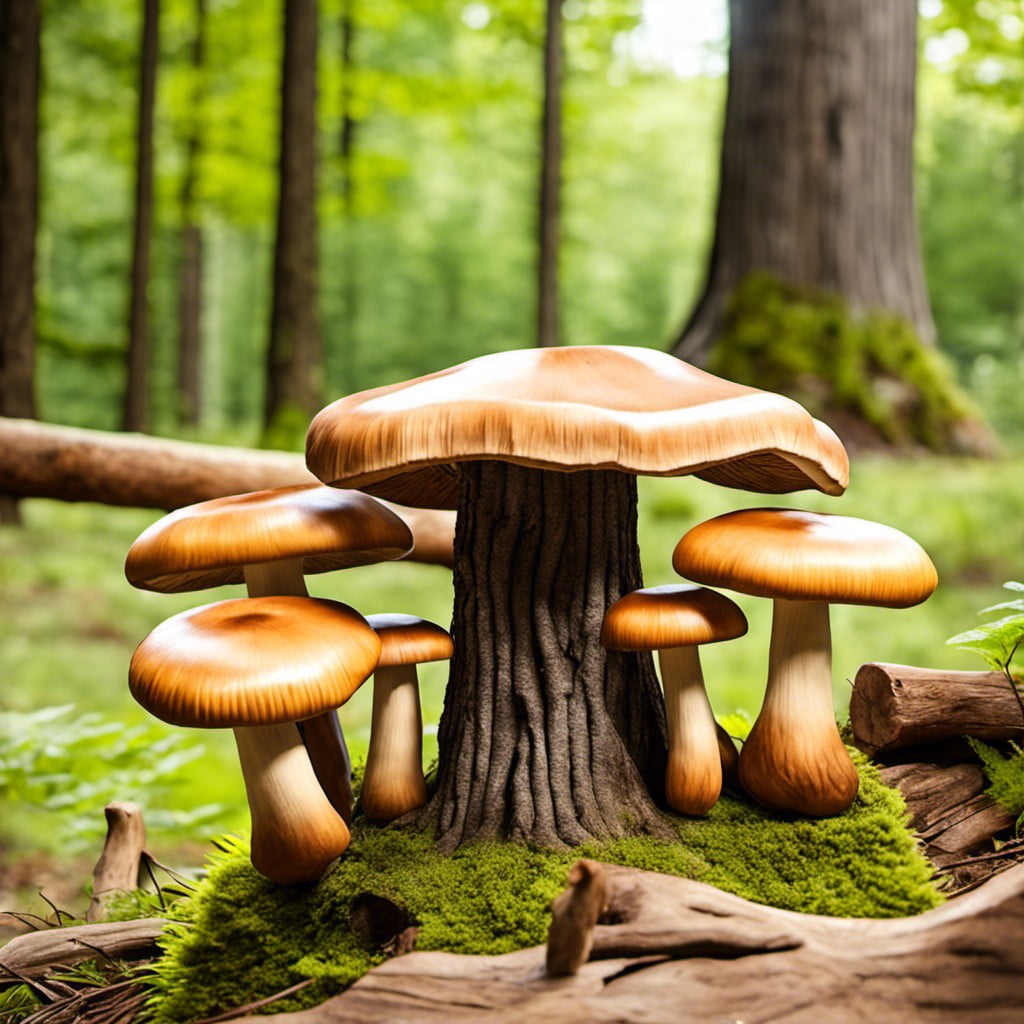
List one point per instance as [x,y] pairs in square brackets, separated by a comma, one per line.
[575,408]
[208,544]
[674,615]
[409,640]
[253,661]
[807,556]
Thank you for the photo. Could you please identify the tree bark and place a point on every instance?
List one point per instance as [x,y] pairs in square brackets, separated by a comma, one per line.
[136,397]
[549,212]
[545,737]
[816,178]
[294,356]
[684,953]
[19,204]
[40,460]
[897,706]
[190,272]
[347,152]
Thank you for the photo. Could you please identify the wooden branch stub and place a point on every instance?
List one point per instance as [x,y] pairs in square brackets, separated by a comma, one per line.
[574,914]
[897,706]
[37,953]
[688,953]
[118,868]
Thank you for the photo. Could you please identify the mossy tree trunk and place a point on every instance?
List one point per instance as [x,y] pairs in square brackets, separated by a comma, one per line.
[546,737]
[816,182]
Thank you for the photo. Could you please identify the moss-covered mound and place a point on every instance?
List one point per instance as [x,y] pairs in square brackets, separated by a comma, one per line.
[867,373]
[247,938]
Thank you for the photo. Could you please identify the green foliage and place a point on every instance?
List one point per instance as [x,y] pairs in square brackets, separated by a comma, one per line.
[17,1002]
[242,938]
[813,347]
[998,641]
[1005,776]
[67,766]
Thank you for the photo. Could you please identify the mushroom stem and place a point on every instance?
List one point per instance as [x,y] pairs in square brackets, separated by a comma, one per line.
[296,832]
[393,782]
[322,735]
[693,779]
[794,758]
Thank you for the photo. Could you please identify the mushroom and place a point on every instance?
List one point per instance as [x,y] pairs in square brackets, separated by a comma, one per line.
[393,781]
[546,737]
[270,540]
[257,666]
[674,620]
[794,758]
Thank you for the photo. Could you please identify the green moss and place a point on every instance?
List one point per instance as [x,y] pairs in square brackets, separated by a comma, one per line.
[871,366]
[243,938]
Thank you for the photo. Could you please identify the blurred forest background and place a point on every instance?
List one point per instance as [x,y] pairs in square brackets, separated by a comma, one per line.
[456,178]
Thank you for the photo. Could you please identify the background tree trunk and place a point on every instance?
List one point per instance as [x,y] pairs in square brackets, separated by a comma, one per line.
[550,198]
[136,396]
[19,203]
[190,273]
[545,736]
[346,153]
[817,160]
[295,357]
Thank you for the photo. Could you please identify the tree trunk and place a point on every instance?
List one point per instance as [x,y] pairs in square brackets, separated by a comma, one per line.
[550,201]
[190,273]
[136,398]
[545,737]
[19,201]
[816,181]
[347,150]
[295,357]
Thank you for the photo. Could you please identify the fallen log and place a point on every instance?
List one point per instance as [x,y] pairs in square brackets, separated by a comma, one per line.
[38,953]
[898,706]
[684,952]
[43,460]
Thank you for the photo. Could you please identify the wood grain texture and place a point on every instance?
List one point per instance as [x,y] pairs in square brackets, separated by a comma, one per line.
[117,870]
[897,706]
[685,953]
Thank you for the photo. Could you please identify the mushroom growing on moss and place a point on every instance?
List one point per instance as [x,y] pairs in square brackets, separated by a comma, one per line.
[675,620]
[271,540]
[545,736]
[257,666]
[393,782]
[794,758]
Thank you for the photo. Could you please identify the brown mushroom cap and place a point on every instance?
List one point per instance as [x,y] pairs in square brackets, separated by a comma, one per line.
[253,661]
[207,545]
[408,640]
[573,408]
[807,556]
[674,615]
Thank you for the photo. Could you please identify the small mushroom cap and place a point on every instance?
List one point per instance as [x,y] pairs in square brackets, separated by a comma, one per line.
[408,640]
[571,408]
[253,661]
[807,556]
[674,615]
[208,544]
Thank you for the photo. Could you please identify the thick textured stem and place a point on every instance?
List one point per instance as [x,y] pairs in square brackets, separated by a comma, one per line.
[393,783]
[296,833]
[794,758]
[322,735]
[693,779]
[545,737]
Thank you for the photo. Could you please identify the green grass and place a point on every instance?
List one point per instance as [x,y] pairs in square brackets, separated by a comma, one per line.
[69,621]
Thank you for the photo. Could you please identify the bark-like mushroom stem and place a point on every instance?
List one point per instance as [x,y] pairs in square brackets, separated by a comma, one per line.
[674,620]
[271,540]
[393,782]
[258,665]
[794,759]
[545,736]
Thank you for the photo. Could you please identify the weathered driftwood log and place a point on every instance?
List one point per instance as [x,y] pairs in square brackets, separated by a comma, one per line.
[685,952]
[42,460]
[896,706]
[37,953]
[117,869]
